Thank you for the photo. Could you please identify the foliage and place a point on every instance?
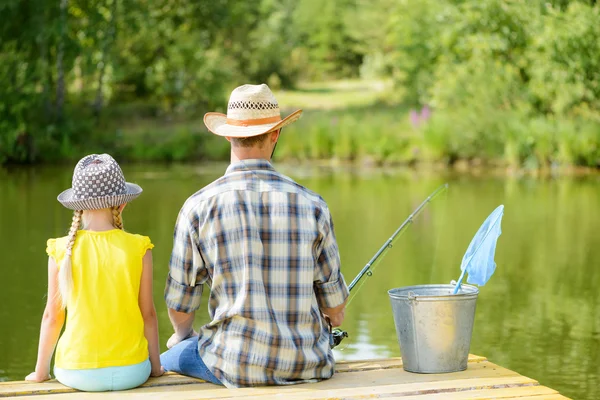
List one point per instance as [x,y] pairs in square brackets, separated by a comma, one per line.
[513,80]
[384,135]
[565,62]
[69,68]
[325,34]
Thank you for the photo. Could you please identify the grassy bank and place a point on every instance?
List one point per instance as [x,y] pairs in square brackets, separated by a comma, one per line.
[354,121]
[380,131]
[384,135]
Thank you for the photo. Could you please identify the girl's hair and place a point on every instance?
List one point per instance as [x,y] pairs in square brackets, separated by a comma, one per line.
[117,218]
[65,275]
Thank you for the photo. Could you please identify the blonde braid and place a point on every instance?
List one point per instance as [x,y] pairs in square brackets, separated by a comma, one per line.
[65,275]
[117,218]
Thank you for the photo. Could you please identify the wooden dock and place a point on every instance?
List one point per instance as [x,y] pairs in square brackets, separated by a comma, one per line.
[370,379]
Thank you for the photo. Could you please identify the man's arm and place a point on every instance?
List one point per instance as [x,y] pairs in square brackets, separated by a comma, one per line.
[330,288]
[187,273]
[183,325]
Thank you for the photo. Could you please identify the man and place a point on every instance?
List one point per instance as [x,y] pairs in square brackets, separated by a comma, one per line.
[265,246]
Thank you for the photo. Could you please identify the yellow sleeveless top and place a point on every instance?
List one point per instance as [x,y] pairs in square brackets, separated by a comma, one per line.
[104,326]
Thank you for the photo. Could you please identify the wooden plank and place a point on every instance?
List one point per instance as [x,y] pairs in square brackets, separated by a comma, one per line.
[479,374]
[188,392]
[537,392]
[421,390]
[396,362]
[557,396]
[167,377]
[22,388]
[362,379]
[172,379]
[533,392]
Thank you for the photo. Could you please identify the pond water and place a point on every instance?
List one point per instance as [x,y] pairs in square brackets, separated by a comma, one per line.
[538,315]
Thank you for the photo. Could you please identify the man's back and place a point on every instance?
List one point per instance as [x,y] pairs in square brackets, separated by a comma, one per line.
[265,246]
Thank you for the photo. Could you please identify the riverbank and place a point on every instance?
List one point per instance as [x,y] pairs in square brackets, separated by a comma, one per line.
[357,122]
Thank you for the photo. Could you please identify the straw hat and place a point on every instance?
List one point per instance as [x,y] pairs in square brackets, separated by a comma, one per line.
[252,111]
[98,182]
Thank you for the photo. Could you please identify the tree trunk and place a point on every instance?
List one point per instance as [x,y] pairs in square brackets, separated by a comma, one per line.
[60,54]
[45,72]
[108,40]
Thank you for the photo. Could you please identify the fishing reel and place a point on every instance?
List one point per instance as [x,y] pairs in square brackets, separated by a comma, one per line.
[336,336]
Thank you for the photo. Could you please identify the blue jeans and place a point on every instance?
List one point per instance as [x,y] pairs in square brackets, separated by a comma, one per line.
[104,379]
[184,359]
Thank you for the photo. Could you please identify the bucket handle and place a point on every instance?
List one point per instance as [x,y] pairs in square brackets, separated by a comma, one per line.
[454,283]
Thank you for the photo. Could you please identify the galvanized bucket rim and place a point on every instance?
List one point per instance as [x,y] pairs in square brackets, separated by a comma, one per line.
[473,293]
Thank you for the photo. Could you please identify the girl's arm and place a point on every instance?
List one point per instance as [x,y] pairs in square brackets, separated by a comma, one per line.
[52,323]
[146,303]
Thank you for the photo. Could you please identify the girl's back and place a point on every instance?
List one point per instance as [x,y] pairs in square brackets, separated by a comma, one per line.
[100,278]
[104,323]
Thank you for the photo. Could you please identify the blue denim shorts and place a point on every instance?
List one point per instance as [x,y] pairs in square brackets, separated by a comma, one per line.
[105,379]
[184,359]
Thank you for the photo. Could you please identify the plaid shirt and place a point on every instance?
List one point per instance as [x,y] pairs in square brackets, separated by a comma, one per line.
[266,248]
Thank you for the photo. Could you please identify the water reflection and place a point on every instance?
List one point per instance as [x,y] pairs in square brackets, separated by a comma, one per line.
[538,315]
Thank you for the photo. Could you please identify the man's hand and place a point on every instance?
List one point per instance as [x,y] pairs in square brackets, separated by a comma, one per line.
[183,325]
[176,339]
[335,319]
[335,315]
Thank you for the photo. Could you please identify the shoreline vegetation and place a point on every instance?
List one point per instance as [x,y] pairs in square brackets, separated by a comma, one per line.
[476,83]
[352,122]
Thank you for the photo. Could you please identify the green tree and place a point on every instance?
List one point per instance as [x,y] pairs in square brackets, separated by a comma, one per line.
[565,62]
[324,32]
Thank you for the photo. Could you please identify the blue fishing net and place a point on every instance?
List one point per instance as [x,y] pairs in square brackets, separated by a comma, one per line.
[478,261]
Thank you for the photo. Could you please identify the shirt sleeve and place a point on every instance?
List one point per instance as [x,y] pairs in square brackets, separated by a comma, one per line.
[329,284]
[187,271]
[56,249]
[146,244]
[51,248]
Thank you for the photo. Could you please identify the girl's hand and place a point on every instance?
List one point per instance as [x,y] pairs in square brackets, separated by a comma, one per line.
[157,373]
[37,377]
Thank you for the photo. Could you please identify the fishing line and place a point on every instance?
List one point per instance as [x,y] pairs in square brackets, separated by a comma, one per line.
[375,264]
[337,335]
[370,273]
[439,234]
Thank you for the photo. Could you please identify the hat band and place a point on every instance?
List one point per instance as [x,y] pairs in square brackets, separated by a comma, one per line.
[253,122]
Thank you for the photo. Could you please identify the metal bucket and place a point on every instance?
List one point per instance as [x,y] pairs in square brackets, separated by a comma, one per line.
[434,326]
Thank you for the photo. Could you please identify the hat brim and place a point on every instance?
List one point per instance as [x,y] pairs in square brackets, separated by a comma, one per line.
[217,124]
[67,199]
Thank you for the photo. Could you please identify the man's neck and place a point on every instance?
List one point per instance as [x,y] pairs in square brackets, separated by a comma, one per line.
[248,154]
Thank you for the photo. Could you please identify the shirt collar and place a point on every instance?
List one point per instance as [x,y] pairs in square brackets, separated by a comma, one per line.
[249,165]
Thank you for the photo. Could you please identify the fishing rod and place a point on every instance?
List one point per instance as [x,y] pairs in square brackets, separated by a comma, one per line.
[337,335]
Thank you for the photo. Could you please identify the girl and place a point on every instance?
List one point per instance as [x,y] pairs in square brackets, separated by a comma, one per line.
[102,277]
